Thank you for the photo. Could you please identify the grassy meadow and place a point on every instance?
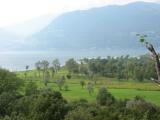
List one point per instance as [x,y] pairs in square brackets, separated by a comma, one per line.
[120,89]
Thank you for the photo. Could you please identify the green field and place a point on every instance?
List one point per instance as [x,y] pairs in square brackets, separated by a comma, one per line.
[120,89]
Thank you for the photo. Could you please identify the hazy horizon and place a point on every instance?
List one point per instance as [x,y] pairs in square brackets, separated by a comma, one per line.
[22,21]
[32,30]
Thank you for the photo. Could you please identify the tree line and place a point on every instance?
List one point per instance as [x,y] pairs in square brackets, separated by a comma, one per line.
[123,68]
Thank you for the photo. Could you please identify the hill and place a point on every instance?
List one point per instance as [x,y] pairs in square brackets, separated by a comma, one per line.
[106,28]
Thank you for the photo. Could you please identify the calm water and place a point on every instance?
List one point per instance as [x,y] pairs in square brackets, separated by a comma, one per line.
[16,61]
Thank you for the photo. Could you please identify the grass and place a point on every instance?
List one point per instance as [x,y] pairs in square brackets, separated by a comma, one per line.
[120,89]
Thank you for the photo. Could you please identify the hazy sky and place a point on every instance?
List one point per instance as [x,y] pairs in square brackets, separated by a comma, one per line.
[15,11]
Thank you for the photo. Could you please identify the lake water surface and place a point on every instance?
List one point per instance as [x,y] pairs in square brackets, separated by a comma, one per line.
[16,61]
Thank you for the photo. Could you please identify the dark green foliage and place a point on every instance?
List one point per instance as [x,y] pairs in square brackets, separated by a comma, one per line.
[38,67]
[52,71]
[82,83]
[79,114]
[50,105]
[66,87]
[9,82]
[90,88]
[104,97]
[46,78]
[72,66]
[6,99]
[56,65]
[68,76]
[61,82]
[31,88]
[124,67]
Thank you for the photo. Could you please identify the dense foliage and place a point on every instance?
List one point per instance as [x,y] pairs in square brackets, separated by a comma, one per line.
[124,67]
[46,104]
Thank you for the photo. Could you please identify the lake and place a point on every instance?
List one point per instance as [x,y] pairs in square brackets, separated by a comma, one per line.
[16,61]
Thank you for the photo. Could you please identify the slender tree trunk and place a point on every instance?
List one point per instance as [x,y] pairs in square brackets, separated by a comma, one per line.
[155,56]
[39,73]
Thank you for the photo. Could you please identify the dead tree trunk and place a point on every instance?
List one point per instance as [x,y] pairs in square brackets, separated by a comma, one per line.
[155,55]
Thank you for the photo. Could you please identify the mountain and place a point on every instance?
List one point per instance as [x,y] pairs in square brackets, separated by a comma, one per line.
[31,26]
[110,27]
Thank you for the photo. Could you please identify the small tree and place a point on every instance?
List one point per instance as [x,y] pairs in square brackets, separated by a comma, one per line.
[31,88]
[46,78]
[82,83]
[52,71]
[26,72]
[66,87]
[155,55]
[44,66]
[79,114]
[68,76]
[38,67]
[9,82]
[72,66]
[104,97]
[61,82]
[90,88]
[56,65]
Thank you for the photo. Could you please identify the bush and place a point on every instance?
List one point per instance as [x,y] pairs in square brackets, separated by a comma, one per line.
[6,100]
[82,83]
[68,76]
[140,108]
[49,106]
[79,114]
[66,87]
[9,82]
[104,97]
[31,88]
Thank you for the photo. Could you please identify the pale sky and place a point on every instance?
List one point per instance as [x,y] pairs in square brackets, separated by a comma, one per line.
[16,11]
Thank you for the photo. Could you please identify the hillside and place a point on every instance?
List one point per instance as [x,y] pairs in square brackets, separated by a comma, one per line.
[110,27]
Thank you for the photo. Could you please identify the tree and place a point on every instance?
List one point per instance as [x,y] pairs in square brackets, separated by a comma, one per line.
[52,71]
[26,72]
[6,99]
[46,78]
[66,87]
[72,66]
[139,74]
[83,67]
[68,76]
[44,66]
[90,88]
[82,83]
[31,88]
[38,67]
[154,53]
[104,97]
[79,114]
[48,105]
[61,82]
[10,87]
[9,82]
[56,65]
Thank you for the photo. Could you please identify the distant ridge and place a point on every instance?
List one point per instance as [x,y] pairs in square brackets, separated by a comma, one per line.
[112,27]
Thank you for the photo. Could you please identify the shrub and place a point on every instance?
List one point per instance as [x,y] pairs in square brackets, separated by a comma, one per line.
[68,76]
[9,82]
[82,83]
[90,88]
[66,87]
[79,114]
[104,97]
[31,88]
